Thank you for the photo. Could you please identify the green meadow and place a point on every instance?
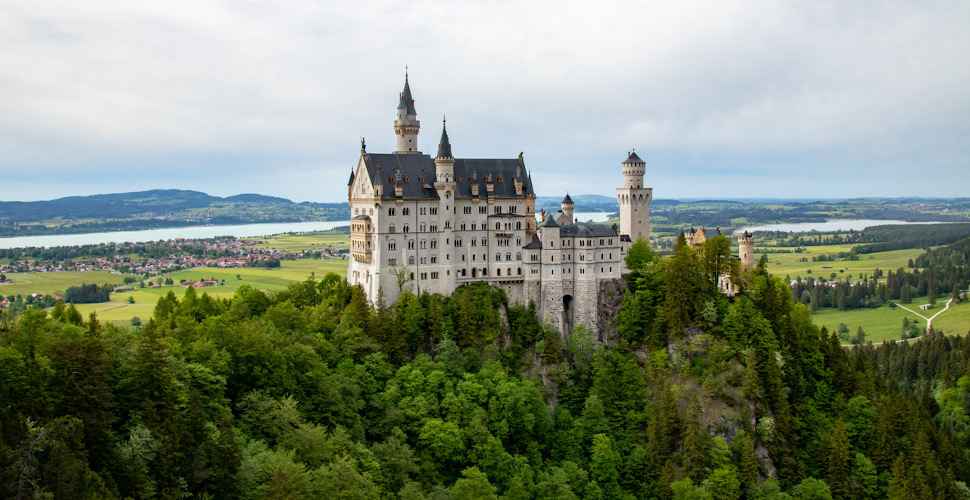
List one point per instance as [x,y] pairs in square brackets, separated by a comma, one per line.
[885,323]
[295,242]
[120,311]
[47,283]
[791,264]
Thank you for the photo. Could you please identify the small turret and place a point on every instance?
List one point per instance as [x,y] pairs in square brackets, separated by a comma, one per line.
[567,206]
[633,170]
[746,249]
[444,161]
[407,126]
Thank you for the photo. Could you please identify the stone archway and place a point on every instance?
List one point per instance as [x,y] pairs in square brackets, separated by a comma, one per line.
[568,313]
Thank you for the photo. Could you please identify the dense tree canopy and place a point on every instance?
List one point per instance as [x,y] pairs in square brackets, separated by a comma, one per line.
[312,392]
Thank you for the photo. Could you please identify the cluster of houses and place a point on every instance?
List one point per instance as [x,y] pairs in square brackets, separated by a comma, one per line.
[233,253]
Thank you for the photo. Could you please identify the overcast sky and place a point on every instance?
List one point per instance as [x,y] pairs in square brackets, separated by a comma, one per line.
[721,99]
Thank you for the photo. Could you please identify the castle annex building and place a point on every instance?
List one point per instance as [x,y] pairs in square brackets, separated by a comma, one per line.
[431,224]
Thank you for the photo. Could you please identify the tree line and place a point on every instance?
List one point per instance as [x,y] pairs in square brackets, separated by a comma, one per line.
[313,392]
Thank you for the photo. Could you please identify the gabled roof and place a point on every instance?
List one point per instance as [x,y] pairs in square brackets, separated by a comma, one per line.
[587,231]
[411,167]
[535,244]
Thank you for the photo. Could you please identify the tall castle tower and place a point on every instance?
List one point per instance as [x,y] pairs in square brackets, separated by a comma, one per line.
[634,199]
[406,126]
[567,206]
[746,249]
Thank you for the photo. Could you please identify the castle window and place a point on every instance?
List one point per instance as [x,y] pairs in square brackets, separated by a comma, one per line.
[508,256]
[391,262]
[498,272]
[410,244]
[474,227]
[392,245]
[457,242]
[520,271]
[411,263]
[462,227]
[424,244]
[457,178]
[483,210]
[467,210]
[518,256]
[391,229]
[518,225]
[500,178]
[434,275]
[498,226]
[434,243]
[498,256]
[434,259]
[424,210]
[405,211]
[434,228]
[497,209]
[424,227]
[407,229]
[434,210]
[390,211]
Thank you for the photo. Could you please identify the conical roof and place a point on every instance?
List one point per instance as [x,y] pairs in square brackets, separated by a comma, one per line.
[567,200]
[444,145]
[633,158]
[407,102]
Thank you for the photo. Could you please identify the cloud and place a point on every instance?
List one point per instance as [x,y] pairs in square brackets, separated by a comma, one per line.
[716,96]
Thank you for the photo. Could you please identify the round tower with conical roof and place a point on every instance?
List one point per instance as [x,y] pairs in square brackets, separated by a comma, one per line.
[634,199]
[406,126]
[567,207]
[746,249]
[444,161]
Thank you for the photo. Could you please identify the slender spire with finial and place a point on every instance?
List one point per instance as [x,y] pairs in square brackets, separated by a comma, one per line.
[444,145]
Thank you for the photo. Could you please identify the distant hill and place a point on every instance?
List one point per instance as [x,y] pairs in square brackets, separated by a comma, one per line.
[155,208]
[591,203]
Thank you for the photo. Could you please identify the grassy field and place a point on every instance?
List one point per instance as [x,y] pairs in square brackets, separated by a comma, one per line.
[120,312]
[788,264]
[307,241]
[47,283]
[885,323]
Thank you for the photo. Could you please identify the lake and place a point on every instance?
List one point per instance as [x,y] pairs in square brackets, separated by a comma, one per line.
[827,226]
[189,232]
[197,232]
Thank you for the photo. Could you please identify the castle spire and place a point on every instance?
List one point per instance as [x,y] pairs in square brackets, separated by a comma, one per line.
[407,126]
[444,145]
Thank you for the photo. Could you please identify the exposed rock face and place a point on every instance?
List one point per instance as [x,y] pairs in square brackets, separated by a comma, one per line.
[610,299]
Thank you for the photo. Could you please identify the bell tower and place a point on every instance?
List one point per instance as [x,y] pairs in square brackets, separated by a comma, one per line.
[634,199]
[406,126]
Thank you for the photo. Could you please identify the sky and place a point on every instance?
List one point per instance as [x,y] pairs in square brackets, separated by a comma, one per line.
[721,99]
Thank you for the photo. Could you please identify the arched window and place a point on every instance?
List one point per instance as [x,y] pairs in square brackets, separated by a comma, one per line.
[508,256]
[392,245]
[498,256]
[391,229]
[518,255]
[518,225]
[411,261]
[406,229]
[498,272]
[498,225]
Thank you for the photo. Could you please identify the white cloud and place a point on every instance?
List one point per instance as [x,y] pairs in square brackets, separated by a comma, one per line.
[211,95]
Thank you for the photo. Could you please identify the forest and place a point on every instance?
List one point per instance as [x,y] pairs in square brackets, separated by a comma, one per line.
[945,273]
[311,392]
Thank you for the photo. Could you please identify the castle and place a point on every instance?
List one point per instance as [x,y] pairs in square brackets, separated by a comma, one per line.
[432,224]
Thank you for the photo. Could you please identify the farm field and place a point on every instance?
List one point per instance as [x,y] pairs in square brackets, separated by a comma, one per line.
[307,241]
[885,323]
[788,264]
[46,283]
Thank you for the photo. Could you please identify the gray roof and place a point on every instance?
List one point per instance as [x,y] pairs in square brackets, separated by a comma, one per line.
[587,231]
[412,167]
[550,221]
[444,146]
[567,199]
[633,158]
[535,244]
[406,101]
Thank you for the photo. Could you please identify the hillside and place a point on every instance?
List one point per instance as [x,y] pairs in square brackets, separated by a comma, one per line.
[152,209]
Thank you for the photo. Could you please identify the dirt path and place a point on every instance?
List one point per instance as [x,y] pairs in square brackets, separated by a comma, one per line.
[929,321]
